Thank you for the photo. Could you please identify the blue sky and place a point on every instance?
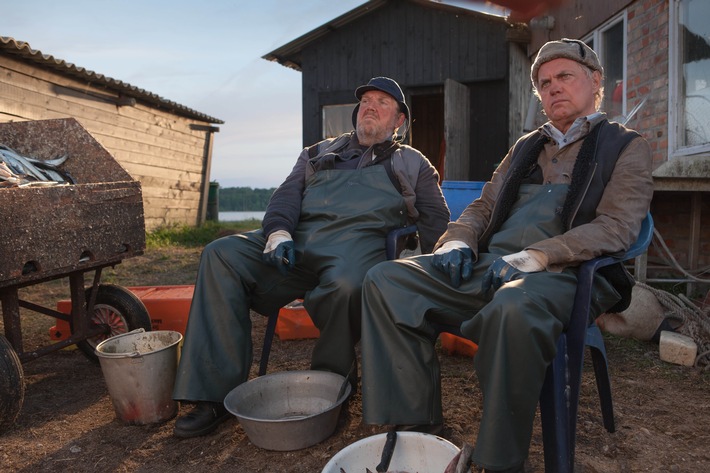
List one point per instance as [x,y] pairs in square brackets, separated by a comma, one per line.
[204,55]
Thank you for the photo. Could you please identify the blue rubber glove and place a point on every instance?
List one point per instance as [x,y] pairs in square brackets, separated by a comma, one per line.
[498,274]
[511,267]
[457,263]
[279,251]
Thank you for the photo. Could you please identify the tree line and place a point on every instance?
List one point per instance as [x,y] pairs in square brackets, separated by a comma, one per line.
[241,199]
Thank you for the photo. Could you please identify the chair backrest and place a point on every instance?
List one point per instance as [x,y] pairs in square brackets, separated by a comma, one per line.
[459,194]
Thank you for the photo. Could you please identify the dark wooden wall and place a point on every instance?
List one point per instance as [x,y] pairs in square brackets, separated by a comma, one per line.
[420,45]
[488,123]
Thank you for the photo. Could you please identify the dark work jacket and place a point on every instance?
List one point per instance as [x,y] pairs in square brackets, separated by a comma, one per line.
[592,171]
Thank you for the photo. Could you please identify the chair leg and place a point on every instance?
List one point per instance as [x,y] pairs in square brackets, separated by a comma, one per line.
[595,341]
[558,441]
[268,338]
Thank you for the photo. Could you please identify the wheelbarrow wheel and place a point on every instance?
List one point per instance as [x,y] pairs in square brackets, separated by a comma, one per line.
[12,385]
[118,308]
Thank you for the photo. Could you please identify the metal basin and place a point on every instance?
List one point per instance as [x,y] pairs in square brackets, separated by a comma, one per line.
[413,451]
[289,410]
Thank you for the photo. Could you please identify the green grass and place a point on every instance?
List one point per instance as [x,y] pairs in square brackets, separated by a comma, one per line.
[190,237]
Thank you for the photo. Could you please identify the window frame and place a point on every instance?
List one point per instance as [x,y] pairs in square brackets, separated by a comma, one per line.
[676,99]
[597,37]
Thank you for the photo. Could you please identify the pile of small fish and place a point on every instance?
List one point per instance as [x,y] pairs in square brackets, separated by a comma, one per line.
[22,171]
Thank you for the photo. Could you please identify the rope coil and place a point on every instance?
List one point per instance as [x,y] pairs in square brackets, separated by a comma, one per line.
[695,321]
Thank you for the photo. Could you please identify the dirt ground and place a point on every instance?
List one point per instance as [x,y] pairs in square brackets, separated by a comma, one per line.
[67,423]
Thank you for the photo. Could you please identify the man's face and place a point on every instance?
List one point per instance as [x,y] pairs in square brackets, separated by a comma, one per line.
[566,91]
[377,117]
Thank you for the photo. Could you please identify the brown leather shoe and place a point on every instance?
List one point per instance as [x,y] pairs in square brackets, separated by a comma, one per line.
[201,420]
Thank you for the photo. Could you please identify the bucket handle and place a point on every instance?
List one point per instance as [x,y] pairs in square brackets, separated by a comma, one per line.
[136,356]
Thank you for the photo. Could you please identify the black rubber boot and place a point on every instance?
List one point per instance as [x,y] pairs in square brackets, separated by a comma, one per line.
[202,420]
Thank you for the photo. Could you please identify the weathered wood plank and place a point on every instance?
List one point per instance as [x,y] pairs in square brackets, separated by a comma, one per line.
[40,99]
[149,120]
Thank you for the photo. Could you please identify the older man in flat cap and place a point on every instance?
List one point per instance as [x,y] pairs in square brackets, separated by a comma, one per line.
[576,188]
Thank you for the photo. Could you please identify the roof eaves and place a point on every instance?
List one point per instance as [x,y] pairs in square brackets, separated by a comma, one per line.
[289,54]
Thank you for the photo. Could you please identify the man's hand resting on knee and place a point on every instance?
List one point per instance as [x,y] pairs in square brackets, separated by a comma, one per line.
[511,267]
[279,251]
[454,258]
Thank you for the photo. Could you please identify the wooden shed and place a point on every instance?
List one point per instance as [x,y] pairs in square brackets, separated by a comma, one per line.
[464,75]
[164,145]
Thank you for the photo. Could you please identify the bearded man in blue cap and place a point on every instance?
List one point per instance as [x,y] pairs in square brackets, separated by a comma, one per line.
[324,227]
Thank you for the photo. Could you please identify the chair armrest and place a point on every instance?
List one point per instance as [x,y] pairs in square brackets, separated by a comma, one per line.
[588,268]
[393,238]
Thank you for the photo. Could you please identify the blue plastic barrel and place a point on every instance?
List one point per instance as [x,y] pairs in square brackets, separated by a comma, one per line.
[459,194]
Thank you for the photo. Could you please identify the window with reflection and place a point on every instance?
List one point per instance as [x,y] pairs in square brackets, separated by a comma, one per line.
[693,74]
[337,119]
[609,42]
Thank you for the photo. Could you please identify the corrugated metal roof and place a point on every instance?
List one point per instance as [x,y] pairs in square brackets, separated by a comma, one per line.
[289,54]
[22,49]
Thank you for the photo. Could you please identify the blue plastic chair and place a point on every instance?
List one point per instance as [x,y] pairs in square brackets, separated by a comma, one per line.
[458,194]
[559,398]
[268,338]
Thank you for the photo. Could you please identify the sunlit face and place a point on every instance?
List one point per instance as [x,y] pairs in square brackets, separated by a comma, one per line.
[566,91]
[377,118]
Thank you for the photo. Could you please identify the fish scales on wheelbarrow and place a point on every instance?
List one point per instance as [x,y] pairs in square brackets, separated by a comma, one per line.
[17,170]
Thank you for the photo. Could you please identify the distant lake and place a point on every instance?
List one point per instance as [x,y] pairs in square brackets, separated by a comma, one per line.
[237,216]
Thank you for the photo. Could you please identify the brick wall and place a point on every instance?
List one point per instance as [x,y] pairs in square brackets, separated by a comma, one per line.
[647,66]
[672,212]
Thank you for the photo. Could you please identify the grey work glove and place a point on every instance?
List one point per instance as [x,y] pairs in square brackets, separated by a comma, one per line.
[279,251]
[456,261]
[509,268]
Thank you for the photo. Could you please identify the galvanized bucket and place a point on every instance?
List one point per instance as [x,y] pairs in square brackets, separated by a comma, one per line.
[139,368]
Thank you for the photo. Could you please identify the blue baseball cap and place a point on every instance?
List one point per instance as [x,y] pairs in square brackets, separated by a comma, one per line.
[386,85]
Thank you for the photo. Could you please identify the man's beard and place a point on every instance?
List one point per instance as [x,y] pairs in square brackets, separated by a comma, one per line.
[371,134]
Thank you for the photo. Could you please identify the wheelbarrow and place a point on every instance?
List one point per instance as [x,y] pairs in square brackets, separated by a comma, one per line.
[66,231]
